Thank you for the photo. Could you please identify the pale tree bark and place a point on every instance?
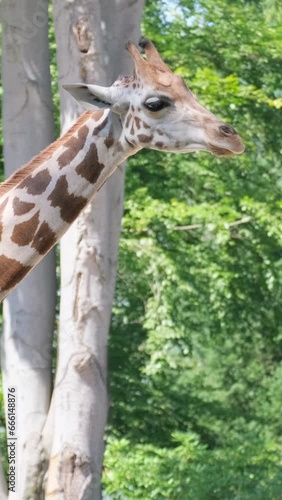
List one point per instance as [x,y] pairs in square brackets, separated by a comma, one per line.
[90,38]
[29,311]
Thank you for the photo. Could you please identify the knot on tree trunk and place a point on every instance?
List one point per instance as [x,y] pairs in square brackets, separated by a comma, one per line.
[84,361]
[82,33]
[84,38]
[76,478]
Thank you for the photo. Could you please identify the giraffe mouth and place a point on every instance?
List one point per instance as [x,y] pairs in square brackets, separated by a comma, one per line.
[217,151]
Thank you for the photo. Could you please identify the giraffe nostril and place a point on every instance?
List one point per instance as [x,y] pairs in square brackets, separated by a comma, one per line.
[228,130]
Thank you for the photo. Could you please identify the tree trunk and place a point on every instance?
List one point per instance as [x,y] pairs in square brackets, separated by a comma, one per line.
[29,310]
[90,37]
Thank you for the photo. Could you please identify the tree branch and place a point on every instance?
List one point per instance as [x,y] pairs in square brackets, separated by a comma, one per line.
[229,225]
[188,228]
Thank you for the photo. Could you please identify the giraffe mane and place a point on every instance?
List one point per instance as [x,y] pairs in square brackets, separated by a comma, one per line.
[27,169]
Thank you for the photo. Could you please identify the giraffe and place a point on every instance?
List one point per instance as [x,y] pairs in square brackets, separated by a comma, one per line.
[153,108]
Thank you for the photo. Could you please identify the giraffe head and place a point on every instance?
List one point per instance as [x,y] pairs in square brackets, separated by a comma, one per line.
[157,110]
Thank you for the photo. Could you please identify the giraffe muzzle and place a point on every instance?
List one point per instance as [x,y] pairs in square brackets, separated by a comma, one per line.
[227,143]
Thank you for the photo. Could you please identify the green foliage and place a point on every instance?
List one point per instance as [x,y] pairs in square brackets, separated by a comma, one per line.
[54,70]
[189,470]
[195,351]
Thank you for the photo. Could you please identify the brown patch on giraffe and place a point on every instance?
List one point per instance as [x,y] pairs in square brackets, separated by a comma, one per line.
[11,272]
[22,207]
[44,238]
[159,131]
[101,126]
[73,146]
[2,207]
[159,144]
[90,168]
[128,120]
[1,229]
[137,121]
[132,129]
[15,179]
[145,125]
[145,138]
[109,142]
[37,184]
[69,204]
[24,232]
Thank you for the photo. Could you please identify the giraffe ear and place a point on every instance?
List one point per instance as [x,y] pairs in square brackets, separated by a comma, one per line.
[90,96]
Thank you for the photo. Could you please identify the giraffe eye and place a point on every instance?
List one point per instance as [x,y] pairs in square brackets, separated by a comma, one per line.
[155,104]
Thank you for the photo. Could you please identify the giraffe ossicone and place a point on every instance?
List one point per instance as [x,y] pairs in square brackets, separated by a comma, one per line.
[153,108]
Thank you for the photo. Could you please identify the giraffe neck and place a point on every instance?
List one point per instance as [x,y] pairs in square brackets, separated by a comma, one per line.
[40,201]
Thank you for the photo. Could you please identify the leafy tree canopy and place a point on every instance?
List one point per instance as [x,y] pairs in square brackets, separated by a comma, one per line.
[196,344]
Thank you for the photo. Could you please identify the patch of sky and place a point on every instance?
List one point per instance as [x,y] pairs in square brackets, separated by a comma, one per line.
[175,9]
